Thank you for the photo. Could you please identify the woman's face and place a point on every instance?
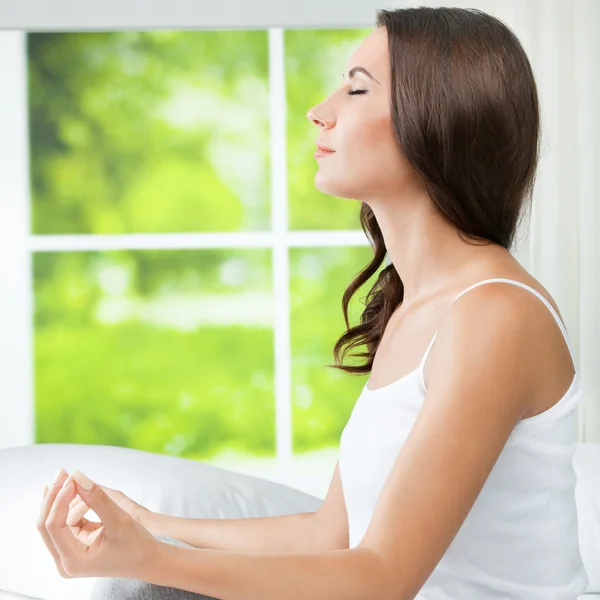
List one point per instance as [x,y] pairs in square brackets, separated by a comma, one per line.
[367,163]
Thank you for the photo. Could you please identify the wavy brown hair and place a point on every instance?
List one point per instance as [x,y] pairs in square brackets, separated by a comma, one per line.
[465,113]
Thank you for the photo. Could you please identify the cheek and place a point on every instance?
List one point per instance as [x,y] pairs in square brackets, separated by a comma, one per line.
[367,130]
[376,162]
[363,135]
[371,146]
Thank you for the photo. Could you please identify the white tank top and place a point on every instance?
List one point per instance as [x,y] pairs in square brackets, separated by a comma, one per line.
[520,538]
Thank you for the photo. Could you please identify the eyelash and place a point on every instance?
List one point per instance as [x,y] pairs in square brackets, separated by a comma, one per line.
[355,92]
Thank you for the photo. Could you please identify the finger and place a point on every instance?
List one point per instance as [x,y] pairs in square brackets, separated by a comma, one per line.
[75,500]
[77,527]
[71,551]
[109,512]
[90,532]
[84,529]
[113,494]
[76,513]
[47,501]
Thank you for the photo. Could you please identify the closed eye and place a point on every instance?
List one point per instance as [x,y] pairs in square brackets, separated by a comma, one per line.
[354,92]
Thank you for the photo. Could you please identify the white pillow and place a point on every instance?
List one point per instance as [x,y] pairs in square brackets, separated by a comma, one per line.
[587,497]
[164,484]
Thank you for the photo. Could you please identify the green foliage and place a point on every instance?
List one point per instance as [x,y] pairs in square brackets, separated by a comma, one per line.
[123,361]
[172,351]
[152,131]
[156,389]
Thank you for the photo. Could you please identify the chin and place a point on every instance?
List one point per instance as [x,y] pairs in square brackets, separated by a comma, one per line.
[329,185]
[339,189]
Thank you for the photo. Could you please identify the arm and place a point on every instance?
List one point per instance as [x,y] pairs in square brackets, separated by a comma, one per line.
[286,533]
[320,531]
[354,574]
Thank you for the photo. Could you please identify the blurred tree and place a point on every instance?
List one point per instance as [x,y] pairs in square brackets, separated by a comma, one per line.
[187,370]
[157,131]
[172,351]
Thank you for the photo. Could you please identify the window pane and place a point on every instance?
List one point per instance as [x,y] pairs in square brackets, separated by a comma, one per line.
[164,351]
[152,131]
[315,61]
[323,397]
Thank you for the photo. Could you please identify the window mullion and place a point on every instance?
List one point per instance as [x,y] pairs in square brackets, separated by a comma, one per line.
[281,275]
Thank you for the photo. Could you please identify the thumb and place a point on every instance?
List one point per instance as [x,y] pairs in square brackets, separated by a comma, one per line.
[97,499]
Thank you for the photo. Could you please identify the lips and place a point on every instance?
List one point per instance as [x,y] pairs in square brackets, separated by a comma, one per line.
[322,148]
[321,153]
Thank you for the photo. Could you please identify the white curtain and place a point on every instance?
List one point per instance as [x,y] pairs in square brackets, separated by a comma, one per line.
[562,248]
[563,245]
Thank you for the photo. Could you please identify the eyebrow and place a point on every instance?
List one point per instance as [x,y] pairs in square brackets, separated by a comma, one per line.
[354,70]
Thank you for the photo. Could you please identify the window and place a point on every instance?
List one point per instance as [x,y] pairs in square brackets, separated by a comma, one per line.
[187,274]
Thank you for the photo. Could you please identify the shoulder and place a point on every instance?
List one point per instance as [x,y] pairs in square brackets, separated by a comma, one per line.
[488,337]
[509,305]
[499,303]
[493,300]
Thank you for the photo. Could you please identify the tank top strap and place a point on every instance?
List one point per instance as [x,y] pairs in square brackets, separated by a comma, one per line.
[524,286]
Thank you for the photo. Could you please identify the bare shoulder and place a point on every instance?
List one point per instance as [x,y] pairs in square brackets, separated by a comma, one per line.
[508,328]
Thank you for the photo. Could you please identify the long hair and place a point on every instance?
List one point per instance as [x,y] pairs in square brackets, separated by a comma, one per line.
[465,113]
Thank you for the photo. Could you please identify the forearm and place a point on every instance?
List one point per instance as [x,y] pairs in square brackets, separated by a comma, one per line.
[294,533]
[352,574]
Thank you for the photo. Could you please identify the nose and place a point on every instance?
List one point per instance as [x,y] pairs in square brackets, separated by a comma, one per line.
[310,115]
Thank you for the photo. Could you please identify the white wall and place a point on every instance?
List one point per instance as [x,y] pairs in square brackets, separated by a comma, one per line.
[189,14]
[16,339]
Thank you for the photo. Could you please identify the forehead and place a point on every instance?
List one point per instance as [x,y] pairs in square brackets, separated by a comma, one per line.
[372,54]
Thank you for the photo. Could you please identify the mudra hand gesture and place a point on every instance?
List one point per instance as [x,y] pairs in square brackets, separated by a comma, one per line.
[118,546]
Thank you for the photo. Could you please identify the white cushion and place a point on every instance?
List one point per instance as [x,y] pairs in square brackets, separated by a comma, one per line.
[13,596]
[165,484]
[587,497]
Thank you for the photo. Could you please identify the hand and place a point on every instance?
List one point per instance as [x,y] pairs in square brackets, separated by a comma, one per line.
[78,508]
[118,546]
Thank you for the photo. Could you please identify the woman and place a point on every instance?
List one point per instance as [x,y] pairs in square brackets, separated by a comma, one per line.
[455,478]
